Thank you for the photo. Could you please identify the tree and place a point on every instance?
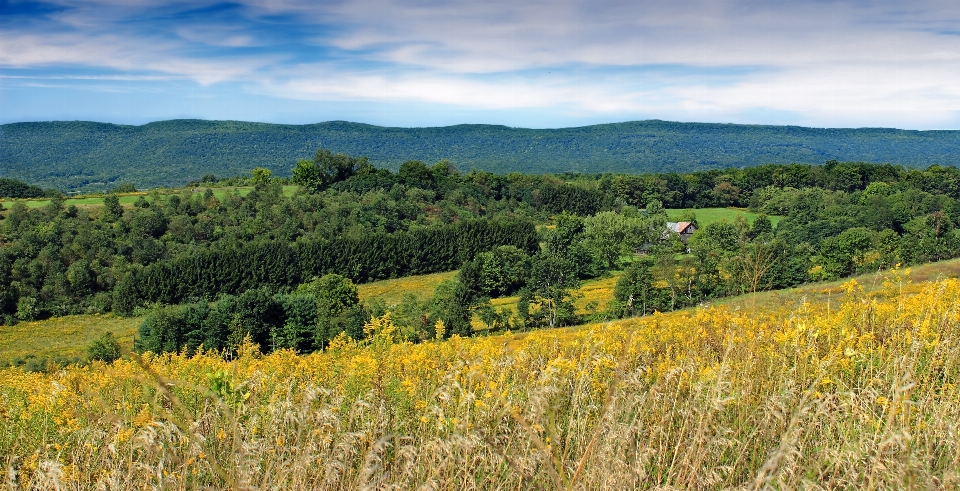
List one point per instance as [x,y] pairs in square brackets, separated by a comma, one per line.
[761,226]
[12,188]
[124,187]
[502,271]
[552,281]
[415,173]
[327,168]
[606,235]
[452,303]
[258,313]
[112,211]
[297,332]
[307,174]
[756,259]
[27,309]
[565,235]
[338,307]
[261,175]
[333,293]
[106,348]
[125,296]
[634,293]
[566,240]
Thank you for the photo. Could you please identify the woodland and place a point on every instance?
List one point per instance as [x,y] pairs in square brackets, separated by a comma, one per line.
[279,265]
[90,157]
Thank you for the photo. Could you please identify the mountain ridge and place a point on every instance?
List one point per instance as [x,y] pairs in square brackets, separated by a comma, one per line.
[89,155]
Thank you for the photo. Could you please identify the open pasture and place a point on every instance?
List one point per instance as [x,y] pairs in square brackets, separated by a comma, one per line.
[706,216]
[62,338]
[392,291]
[127,199]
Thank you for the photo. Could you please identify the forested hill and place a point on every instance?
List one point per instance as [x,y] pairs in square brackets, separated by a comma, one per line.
[93,156]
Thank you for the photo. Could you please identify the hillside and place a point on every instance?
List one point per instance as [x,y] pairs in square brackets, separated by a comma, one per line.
[855,392]
[91,156]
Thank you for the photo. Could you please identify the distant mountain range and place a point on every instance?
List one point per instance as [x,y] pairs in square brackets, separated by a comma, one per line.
[76,155]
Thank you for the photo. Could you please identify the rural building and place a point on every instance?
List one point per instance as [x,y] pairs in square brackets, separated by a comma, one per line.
[684,229]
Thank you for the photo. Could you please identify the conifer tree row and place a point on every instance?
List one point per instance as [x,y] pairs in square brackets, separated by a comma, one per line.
[277,265]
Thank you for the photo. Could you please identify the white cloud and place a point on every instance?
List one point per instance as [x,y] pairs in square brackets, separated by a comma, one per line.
[123,54]
[458,90]
[819,62]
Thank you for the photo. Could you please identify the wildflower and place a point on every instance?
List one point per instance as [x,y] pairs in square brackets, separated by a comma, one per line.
[440,329]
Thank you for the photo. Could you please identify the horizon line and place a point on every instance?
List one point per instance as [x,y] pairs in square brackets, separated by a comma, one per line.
[481,124]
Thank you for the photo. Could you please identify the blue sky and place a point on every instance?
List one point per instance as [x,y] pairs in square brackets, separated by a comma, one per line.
[540,64]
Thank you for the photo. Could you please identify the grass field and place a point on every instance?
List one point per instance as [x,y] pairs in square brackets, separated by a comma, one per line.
[858,392]
[598,291]
[62,337]
[68,337]
[706,216]
[128,199]
[392,291]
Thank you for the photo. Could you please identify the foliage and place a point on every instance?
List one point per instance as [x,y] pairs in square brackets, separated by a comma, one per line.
[553,279]
[12,188]
[306,320]
[124,187]
[181,246]
[191,247]
[859,393]
[261,175]
[96,156]
[106,348]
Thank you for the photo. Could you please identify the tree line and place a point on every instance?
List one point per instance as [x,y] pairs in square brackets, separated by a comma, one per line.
[276,265]
[13,188]
[350,218]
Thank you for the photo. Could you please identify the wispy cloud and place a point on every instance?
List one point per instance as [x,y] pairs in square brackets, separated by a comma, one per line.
[816,62]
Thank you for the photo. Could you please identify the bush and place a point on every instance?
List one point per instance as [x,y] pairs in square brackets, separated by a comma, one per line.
[106,348]
[125,187]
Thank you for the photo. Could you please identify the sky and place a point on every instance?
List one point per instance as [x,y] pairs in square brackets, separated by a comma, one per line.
[536,64]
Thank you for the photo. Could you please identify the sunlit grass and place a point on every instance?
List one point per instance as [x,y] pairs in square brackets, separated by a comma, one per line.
[706,216]
[392,291]
[597,292]
[128,199]
[62,337]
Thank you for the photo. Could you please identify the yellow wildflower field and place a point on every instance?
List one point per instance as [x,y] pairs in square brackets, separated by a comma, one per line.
[860,395]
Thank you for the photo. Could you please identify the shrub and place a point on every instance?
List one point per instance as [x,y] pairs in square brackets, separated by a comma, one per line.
[106,348]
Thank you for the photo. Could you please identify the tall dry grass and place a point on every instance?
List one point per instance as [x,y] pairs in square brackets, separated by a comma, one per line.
[862,397]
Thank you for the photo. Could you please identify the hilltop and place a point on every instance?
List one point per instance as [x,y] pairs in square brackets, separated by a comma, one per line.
[91,156]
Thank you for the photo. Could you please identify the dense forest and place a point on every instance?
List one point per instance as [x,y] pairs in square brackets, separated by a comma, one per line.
[89,156]
[282,267]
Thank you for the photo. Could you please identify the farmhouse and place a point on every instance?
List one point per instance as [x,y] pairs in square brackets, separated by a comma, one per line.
[684,229]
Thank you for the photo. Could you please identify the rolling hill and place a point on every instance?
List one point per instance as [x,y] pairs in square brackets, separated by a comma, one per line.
[93,156]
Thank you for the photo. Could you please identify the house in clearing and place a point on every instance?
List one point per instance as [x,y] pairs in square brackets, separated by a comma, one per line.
[684,229]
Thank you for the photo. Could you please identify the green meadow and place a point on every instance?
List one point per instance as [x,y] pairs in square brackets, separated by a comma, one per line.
[128,199]
[706,216]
